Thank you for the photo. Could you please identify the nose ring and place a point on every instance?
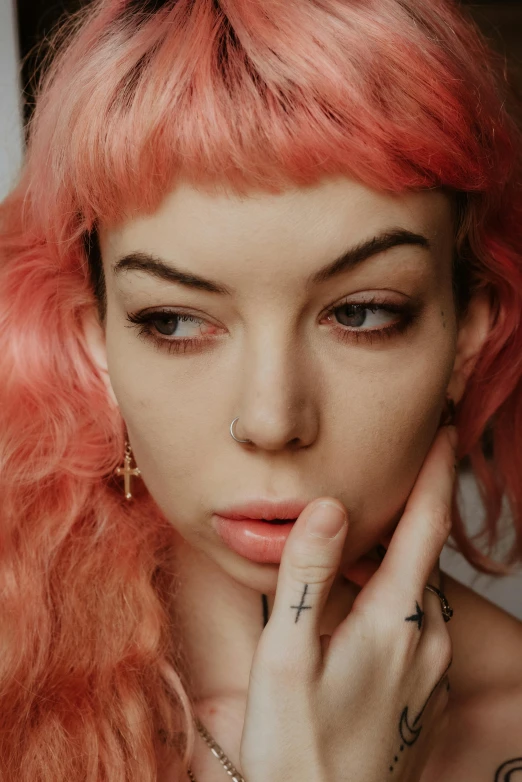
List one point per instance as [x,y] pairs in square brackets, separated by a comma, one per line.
[233,435]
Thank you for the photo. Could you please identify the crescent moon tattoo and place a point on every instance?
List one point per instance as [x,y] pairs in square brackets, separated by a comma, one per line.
[409,735]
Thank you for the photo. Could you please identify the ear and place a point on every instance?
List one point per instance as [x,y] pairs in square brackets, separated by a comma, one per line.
[473,332]
[96,347]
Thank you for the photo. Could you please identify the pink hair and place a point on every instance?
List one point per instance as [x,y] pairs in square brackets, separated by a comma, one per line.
[400,94]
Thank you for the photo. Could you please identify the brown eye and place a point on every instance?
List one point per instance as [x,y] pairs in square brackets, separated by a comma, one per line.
[166,326]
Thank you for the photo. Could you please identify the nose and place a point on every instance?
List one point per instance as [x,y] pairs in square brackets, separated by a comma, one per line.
[278,400]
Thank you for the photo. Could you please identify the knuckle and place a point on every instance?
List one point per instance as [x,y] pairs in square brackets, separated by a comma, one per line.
[272,663]
[382,623]
[311,573]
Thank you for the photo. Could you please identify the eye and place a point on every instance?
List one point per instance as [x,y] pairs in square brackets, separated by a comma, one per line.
[358,315]
[180,332]
[169,323]
[363,321]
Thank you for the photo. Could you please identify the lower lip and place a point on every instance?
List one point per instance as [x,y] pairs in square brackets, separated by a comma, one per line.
[258,541]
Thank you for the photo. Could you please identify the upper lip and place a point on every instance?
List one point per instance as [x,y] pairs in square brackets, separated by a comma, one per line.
[265,509]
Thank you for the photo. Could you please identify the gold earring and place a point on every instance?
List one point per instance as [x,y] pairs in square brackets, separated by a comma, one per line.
[127,471]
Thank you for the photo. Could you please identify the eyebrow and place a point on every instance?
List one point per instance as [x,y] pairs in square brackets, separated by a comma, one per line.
[155,266]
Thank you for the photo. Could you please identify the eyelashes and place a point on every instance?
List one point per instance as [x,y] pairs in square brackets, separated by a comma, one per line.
[147,324]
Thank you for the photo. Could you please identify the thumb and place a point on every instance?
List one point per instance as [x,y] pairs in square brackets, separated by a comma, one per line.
[309,565]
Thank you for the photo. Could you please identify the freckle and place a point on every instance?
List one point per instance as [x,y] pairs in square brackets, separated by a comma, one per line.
[396,758]
[402,747]
[391,768]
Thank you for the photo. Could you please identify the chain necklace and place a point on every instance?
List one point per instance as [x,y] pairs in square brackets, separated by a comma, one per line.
[218,752]
[212,743]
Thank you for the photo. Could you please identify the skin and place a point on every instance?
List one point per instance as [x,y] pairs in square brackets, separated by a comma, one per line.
[327,417]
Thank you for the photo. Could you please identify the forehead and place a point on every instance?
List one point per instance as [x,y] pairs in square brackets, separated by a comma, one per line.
[313,219]
[201,216]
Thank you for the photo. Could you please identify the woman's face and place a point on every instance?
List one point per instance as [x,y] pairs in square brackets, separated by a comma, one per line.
[342,403]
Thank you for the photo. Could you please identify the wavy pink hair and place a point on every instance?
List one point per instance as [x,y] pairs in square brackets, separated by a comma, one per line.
[400,94]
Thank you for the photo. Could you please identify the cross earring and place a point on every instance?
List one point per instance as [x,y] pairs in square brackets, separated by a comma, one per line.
[127,471]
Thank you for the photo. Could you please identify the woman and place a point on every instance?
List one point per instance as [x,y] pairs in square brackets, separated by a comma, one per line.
[260,254]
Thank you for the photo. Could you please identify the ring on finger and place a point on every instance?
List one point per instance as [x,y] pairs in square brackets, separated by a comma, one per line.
[447,611]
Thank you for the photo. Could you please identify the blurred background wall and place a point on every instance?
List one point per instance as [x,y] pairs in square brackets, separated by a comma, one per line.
[10,98]
[502,23]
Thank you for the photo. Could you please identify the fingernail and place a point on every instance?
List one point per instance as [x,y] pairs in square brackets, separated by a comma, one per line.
[453,435]
[326,520]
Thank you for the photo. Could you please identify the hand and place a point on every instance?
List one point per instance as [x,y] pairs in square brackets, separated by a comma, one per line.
[366,706]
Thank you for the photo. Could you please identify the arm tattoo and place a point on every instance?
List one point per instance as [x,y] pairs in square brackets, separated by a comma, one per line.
[507,770]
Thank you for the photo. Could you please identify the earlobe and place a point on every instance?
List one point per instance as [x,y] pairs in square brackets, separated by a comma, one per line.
[472,335]
[96,347]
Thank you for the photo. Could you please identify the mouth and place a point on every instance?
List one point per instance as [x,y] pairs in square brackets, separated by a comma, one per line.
[274,521]
[276,511]
[256,539]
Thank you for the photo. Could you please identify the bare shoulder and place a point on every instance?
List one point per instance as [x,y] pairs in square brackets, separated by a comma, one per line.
[482,741]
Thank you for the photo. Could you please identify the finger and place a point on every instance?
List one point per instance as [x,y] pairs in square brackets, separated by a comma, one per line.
[434,578]
[438,609]
[309,564]
[425,524]
[362,573]
[431,604]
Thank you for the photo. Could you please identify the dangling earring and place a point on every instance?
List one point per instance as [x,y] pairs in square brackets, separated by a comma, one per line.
[127,471]
[448,416]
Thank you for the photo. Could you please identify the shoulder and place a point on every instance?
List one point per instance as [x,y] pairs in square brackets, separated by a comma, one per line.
[482,739]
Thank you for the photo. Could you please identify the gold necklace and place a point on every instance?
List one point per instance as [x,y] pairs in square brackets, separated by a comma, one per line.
[218,752]
[212,743]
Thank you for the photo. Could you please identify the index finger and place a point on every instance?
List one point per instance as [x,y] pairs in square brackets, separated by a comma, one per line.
[425,525]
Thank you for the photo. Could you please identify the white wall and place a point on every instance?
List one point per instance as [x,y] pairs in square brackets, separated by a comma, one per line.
[11,138]
[506,592]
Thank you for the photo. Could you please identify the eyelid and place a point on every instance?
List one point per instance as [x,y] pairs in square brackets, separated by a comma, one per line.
[366,297]
[409,311]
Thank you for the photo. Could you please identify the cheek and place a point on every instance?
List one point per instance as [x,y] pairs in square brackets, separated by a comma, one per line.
[391,426]
[169,418]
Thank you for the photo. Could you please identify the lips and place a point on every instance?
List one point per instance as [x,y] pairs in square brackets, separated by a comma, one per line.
[254,539]
[265,510]
[276,521]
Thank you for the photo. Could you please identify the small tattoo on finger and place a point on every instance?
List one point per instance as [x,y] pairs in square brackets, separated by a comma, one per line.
[418,617]
[301,605]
